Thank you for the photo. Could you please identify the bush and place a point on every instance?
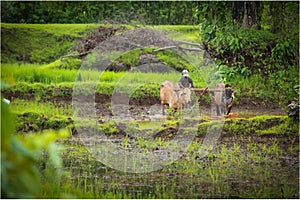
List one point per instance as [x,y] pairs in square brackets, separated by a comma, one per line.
[258,63]
[250,51]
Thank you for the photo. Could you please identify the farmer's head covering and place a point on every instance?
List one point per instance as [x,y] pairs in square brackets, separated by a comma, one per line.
[185,73]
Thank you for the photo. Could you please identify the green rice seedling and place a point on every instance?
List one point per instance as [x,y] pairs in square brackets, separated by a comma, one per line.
[293,148]
[47,109]
[32,73]
[251,146]
[287,191]
[274,148]
[125,142]
[147,125]
[172,123]
[109,76]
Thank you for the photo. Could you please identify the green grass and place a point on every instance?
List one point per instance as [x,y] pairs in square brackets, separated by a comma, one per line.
[182,32]
[130,58]
[38,43]
[174,61]
[74,30]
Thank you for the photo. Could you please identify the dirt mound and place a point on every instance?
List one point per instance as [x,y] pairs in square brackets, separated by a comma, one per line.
[86,44]
[151,63]
[147,62]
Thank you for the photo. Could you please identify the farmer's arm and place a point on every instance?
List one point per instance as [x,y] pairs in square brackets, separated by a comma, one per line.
[191,82]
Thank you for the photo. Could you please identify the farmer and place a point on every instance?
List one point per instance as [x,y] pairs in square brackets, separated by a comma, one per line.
[229,96]
[185,81]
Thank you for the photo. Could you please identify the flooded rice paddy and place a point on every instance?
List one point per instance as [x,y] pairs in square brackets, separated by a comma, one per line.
[238,165]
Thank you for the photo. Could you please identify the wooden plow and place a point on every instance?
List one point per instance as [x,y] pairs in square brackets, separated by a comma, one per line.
[201,91]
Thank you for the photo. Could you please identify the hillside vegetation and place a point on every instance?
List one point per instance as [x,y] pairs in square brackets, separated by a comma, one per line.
[37,43]
[261,67]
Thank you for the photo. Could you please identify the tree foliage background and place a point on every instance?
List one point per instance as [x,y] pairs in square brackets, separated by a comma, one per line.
[279,17]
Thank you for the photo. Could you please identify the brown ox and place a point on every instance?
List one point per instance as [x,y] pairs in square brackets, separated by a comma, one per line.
[173,96]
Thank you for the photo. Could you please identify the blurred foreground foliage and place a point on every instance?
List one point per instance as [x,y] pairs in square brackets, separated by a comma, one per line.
[20,155]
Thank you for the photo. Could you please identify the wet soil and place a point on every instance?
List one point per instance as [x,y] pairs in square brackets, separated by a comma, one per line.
[246,106]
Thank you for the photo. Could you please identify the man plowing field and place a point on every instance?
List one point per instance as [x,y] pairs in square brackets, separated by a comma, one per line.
[178,96]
